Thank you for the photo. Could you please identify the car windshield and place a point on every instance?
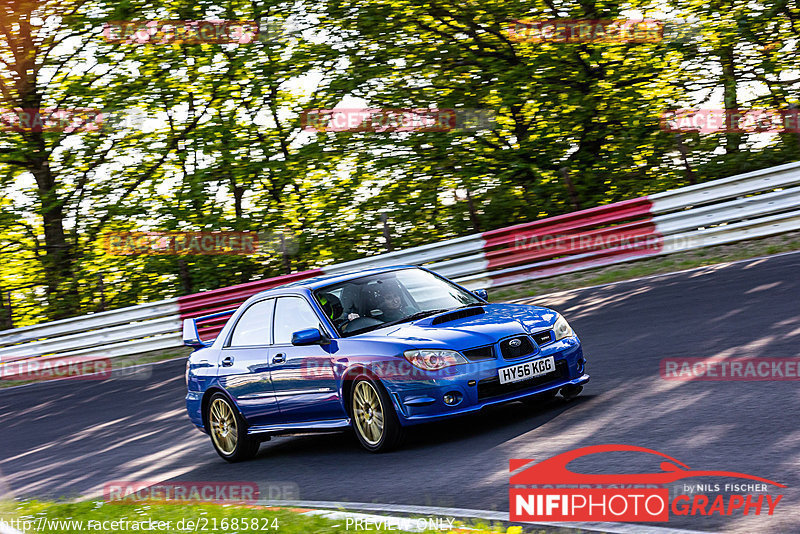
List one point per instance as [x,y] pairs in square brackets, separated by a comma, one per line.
[393,297]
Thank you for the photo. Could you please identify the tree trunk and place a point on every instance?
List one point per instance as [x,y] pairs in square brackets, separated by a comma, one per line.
[473,214]
[57,259]
[387,234]
[185,277]
[573,194]
[685,156]
[727,59]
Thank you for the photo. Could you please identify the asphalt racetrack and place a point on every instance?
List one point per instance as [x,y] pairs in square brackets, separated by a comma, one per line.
[69,438]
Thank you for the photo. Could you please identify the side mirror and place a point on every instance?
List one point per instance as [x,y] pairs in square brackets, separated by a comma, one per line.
[309,336]
[482,294]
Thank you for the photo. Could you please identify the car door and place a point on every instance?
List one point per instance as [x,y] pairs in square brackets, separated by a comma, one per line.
[244,368]
[303,377]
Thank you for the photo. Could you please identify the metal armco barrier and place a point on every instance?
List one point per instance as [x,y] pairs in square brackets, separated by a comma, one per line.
[586,238]
[123,332]
[729,210]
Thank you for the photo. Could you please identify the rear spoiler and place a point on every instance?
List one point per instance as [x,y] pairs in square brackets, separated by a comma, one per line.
[191,336]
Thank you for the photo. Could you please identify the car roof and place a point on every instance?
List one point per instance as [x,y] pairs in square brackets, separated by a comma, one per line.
[320,281]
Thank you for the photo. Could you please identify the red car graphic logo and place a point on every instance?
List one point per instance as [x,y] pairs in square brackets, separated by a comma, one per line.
[554,470]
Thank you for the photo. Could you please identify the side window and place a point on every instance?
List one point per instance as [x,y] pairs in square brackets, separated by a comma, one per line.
[252,328]
[293,314]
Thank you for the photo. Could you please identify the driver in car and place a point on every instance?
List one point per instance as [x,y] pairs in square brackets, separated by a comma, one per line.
[392,303]
[386,304]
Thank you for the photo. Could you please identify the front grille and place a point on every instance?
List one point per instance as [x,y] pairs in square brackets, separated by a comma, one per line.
[510,352]
[543,338]
[491,387]
[481,353]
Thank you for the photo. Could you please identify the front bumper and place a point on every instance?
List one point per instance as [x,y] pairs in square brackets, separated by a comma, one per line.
[424,401]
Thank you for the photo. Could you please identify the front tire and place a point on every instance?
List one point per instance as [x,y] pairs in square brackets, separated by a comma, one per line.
[373,417]
[228,431]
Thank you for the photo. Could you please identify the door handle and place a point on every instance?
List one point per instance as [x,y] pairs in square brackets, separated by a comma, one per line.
[279,358]
[227,362]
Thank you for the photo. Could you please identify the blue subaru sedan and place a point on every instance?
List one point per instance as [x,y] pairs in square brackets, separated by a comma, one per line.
[375,351]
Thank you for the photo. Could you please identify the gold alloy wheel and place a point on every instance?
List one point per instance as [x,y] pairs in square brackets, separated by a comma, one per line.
[368,412]
[223,426]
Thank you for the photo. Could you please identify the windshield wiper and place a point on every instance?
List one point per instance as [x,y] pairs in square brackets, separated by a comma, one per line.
[412,317]
[415,316]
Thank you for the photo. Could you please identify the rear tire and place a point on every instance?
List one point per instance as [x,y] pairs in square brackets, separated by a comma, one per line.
[228,431]
[373,419]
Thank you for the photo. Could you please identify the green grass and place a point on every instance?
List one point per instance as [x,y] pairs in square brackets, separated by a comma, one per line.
[97,516]
[664,264]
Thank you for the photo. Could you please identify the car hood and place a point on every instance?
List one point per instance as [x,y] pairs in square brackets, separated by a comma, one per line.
[497,322]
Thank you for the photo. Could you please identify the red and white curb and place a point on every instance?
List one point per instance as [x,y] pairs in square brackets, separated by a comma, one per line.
[432,516]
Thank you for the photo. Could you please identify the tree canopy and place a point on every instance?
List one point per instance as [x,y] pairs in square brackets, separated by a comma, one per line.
[209,136]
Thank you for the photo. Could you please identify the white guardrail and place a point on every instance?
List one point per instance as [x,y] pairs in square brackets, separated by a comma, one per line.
[746,206]
[124,332]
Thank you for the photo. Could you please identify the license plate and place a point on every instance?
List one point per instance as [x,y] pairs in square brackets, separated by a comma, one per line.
[527,370]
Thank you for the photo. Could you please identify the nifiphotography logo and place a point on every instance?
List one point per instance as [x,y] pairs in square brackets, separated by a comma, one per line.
[549,491]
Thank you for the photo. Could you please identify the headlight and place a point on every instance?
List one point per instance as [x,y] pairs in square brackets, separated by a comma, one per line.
[433,360]
[562,328]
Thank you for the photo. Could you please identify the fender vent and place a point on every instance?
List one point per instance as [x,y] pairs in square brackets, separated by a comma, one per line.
[458,314]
